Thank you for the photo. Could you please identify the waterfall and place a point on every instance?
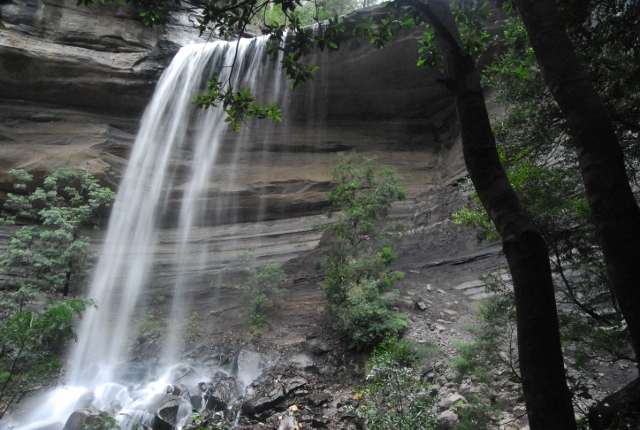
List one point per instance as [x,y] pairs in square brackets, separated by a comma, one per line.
[170,126]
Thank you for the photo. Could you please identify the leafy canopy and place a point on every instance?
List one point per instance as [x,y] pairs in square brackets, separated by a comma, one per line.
[537,153]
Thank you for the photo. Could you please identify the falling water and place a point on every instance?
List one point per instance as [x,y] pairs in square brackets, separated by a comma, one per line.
[170,125]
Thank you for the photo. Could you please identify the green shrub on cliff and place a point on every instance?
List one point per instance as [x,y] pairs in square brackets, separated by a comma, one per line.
[358,283]
[262,288]
[45,258]
[50,250]
[392,399]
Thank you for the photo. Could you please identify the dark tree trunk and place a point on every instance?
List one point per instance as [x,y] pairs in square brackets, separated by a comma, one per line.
[614,210]
[618,409]
[541,365]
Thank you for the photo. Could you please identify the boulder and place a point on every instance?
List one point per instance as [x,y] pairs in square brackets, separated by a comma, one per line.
[288,423]
[222,394]
[316,399]
[291,384]
[257,404]
[270,390]
[450,401]
[86,418]
[316,347]
[447,420]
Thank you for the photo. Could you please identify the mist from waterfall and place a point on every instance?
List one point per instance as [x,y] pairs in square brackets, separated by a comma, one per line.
[171,125]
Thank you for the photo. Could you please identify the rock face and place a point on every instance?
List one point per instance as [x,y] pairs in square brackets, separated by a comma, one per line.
[96,56]
[74,81]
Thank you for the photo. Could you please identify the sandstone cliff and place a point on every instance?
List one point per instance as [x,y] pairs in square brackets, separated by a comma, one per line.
[74,81]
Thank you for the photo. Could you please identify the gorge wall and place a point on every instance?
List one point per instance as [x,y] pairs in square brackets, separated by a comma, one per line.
[74,82]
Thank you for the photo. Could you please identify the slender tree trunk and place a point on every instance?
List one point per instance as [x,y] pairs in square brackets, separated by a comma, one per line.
[67,283]
[614,209]
[546,393]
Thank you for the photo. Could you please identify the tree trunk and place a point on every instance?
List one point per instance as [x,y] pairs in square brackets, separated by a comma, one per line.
[67,283]
[545,388]
[614,210]
[618,409]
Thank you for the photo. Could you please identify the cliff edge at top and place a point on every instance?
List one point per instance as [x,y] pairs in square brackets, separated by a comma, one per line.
[96,56]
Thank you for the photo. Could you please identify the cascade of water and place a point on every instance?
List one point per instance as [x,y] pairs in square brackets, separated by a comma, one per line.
[170,125]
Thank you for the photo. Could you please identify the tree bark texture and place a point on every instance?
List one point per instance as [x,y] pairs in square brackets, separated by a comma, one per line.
[622,406]
[545,387]
[614,210]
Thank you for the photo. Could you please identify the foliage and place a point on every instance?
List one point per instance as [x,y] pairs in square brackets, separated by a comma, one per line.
[101,422]
[308,12]
[392,399]
[362,196]
[604,42]
[606,35]
[537,154]
[366,314]
[358,285]
[237,106]
[52,251]
[492,355]
[33,328]
[150,324]
[476,218]
[221,420]
[475,415]
[262,287]
[49,252]
[494,348]
[344,271]
[192,322]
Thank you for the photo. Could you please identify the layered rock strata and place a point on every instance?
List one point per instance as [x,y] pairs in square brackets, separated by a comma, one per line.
[74,81]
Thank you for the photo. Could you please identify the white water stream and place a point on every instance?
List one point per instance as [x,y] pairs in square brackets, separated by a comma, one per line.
[170,125]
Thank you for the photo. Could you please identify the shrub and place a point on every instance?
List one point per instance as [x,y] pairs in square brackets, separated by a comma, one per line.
[262,288]
[358,285]
[392,399]
[365,314]
[51,250]
[48,252]
[33,328]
